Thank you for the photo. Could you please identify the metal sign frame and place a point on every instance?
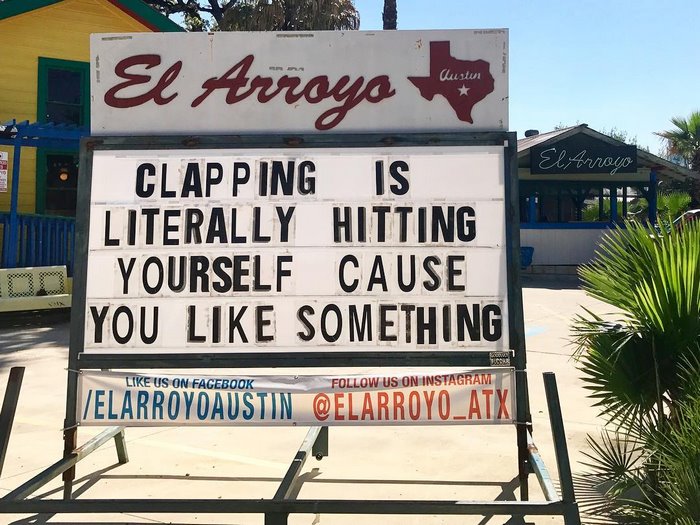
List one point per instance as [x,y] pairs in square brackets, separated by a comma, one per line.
[277,509]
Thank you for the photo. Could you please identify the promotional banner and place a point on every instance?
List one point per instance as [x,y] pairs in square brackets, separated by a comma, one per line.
[470,396]
[287,251]
[337,81]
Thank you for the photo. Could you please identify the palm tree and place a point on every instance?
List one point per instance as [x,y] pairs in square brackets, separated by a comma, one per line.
[643,370]
[291,15]
[389,14]
[684,140]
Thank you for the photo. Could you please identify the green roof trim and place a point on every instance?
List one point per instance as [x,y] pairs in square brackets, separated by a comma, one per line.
[148,15]
[10,8]
[137,9]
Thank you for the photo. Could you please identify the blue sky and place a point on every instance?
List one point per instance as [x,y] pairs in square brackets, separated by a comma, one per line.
[630,65]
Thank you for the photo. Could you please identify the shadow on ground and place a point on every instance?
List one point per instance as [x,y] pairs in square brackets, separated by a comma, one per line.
[550,282]
[508,490]
[31,331]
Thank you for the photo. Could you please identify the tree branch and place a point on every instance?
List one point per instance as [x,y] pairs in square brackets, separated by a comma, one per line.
[216,10]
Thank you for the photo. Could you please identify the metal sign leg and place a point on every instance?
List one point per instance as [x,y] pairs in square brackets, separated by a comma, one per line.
[276,519]
[568,497]
[70,443]
[315,443]
[522,429]
[63,466]
[9,407]
[320,448]
[120,444]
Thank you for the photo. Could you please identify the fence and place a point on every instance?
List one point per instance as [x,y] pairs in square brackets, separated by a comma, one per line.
[42,240]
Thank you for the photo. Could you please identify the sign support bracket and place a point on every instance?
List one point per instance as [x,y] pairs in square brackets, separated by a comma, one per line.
[66,464]
[9,407]
[286,489]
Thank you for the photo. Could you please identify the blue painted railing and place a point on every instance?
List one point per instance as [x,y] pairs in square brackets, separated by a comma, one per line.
[42,240]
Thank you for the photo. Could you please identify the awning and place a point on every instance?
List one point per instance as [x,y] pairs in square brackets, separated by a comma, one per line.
[34,135]
[42,134]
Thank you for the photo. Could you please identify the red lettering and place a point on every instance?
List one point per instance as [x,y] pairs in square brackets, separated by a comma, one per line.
[388,382]
[352,97]
[345,91]
[502,409]
[487,395]
[320,84]
[338,405]
[265,83]
[414,405]
[382,405]
[382,85]
[429,395]
[398,406]
[316,90]
[132,79]
[351,416]
[233,84]
[367,408]
[474,409]
[443,404]
[291,83]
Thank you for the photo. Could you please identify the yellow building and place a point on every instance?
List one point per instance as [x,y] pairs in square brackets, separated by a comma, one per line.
[44,66]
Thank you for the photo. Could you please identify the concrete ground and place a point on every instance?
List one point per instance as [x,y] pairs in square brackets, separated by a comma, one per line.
[475,463]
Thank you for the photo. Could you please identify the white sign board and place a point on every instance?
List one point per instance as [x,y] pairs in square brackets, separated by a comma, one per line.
[469,396]
[297,250]
[3,171]
[355,81]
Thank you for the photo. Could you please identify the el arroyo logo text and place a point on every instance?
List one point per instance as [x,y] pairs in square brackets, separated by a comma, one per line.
[463,83]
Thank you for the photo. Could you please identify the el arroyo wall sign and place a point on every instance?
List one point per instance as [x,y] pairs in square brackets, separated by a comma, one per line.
[300,82]
[582,154]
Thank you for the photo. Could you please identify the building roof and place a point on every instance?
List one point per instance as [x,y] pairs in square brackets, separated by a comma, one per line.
[534,140]
[134,8]
[644,159]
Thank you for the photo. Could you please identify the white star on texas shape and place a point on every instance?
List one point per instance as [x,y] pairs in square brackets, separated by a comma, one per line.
[463,90]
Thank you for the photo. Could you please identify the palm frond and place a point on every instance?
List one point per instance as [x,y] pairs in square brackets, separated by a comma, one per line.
[614,464]
[642,369]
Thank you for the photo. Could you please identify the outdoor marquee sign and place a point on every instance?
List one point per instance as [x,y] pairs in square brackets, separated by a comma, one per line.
[320,249]
[344,201]
[332,251]
[327,81]
[316,251]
